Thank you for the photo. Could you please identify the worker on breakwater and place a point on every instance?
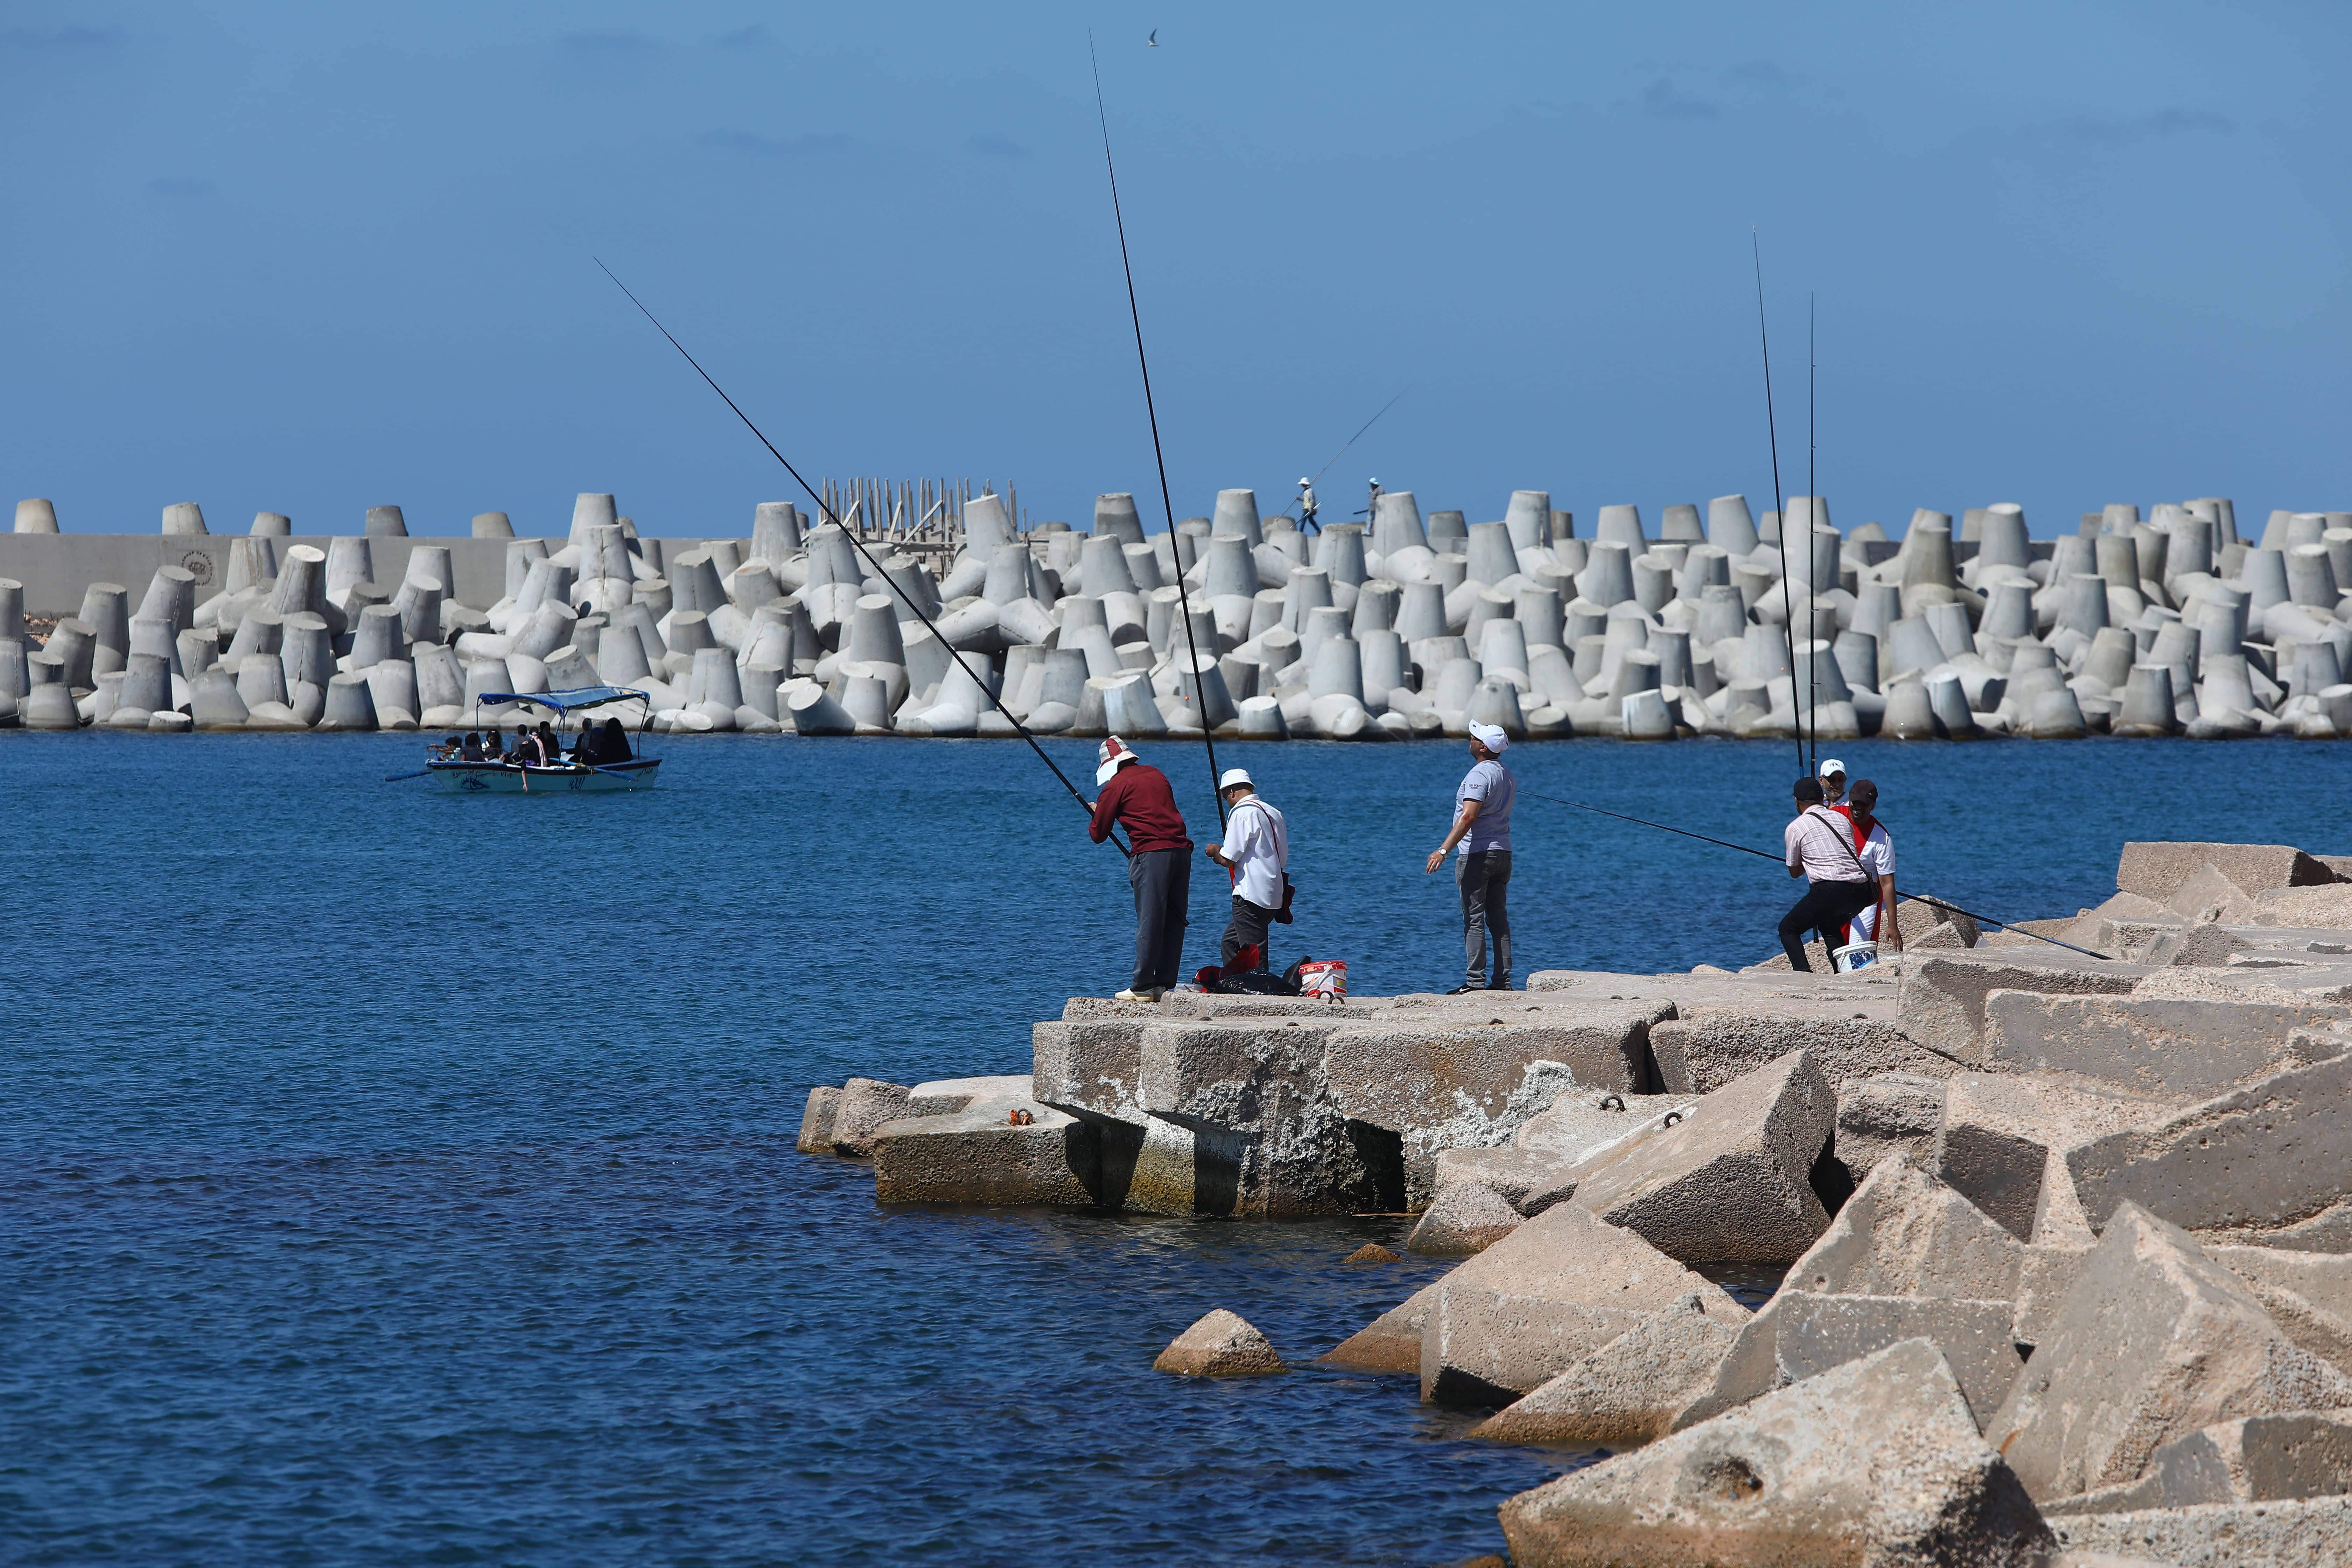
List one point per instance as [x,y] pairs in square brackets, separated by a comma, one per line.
[1255,852]
[1817,851]
[1159,867]
[1482,827]
[1875,852]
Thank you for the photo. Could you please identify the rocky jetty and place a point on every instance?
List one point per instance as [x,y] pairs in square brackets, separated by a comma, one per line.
[1727,625]
[2065,1242]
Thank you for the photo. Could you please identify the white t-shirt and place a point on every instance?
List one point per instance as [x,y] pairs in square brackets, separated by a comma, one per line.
[1879,859]
[1258,842]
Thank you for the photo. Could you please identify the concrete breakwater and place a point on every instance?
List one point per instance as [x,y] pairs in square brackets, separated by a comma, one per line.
[2067,1242]
[1721,625]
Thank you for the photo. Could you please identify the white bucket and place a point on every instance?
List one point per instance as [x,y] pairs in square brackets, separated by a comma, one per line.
[1854,955]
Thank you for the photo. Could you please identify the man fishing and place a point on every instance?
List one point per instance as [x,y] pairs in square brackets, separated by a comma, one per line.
[1817,850]
[1255,850]
[1875,852]
[1307,505]
[1832,773]
[1159,867]
[1482,827]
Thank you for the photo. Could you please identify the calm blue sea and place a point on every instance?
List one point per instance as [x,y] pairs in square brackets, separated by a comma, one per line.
[389,1177]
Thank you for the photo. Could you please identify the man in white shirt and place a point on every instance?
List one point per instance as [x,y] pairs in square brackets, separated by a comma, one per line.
[1877,857]
[1255,852]
[1819,849]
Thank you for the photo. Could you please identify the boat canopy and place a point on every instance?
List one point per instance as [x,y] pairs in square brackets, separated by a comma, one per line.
[568,702]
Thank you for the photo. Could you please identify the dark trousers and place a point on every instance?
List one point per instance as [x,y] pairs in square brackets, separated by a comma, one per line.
[1248,925]
[1826,907]
[1163,880]
[1485,877]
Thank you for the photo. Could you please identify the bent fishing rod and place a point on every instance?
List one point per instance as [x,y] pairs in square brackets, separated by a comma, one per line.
[1766,855]
[1167,505]
[1813,521]
[1773,432]
[1359,435]
[906,598]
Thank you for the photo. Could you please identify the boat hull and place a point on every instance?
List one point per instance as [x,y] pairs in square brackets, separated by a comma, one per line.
[501,778]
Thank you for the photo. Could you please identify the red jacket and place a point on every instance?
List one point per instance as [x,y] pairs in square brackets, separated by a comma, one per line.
[1138,796]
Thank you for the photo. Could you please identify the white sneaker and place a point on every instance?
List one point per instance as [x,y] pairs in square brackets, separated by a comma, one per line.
[1146,994]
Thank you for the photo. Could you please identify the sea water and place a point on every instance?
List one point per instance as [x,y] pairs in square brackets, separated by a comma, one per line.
[389,1176]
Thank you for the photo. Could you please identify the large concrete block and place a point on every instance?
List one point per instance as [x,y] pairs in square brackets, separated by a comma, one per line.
[1467,1218]
[1391,1342]
[1941,1000]
[1540,1165]
[2304,1535]
[1543,1299]
[1904,1233]
[982,1155]
[2267,1165]
[2157,870]
[1268,1128]
[1998,1133]
[1875,1462]
[1735,1181]
[866,1105]
[2159,1045]
[1626,1392]
[1094,1064]
[2154,1342]
[1701,1052]
[816,1120]
[2261,1459]
[2307,1294]
[1222,1344]
[1897,1113]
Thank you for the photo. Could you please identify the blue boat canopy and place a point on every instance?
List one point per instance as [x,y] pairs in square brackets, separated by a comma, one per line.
[567,702]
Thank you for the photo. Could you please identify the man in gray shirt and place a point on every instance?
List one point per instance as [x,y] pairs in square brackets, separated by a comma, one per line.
[1482,827]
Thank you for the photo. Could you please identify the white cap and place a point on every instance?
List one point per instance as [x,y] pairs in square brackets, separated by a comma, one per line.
[1832,765]
[1490,736]
[1111,756]
[1233,776]
[1306,481]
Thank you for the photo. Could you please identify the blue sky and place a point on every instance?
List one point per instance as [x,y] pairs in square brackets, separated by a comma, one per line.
[313,258]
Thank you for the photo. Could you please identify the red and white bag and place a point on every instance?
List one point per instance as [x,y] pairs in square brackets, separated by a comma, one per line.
[1325,979]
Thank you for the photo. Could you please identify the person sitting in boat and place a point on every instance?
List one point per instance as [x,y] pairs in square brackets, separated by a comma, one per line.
[528,749]
[494,746]
[615,747]
[550,748]
[470,749]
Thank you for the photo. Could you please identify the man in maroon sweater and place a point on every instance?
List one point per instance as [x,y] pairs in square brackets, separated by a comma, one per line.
[1160,868]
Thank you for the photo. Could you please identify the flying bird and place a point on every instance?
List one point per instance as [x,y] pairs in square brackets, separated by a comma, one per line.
[1154,39]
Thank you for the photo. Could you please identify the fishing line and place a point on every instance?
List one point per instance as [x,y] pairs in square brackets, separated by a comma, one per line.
[859,545]
[1766,855]
[1812,522]
[1773,432]
[1351,440]
[1167,506]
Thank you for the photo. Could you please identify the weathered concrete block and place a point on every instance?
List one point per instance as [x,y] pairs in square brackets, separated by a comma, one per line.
[944,1097]
[2154,1342]
[2158,1045]
[2263,1458]
[1391,1342]
[1466,1218]
[816,1120]
[1701,1053]
[1941,1000]
[1897,1113]
[1543,1299]
[1875,1462]
[865,1106]
[2157,870]
[980,1155]
[1090,1063]
[2207,896]
[1627,1391]
[1267,1128]
[2304,1535]
[1994,1145]
[1734,1182]
[1904,1233]
[2307,1294]
[1816,1334]
[2267,1165]
[2204,945]
[1539,1168]
[1222,1344]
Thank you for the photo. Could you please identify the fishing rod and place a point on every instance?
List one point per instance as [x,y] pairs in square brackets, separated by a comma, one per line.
[859,545]
[1167,505]
[1766,855]
[1773,432]
[1351,440]
[1812,522]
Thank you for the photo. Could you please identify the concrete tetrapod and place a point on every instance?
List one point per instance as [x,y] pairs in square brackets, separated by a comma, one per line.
[1222,1344]
[1875,1462]
[814,714]
[214,703]
[349,704]
[48,707]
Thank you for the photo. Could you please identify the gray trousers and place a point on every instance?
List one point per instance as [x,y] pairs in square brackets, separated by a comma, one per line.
[1248,925]
[1163,880]
[1485,877]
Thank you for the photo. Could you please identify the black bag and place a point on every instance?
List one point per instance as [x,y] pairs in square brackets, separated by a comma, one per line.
[1257,983]
[1282,915]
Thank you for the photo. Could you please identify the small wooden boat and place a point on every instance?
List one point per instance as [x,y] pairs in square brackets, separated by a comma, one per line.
[601,772]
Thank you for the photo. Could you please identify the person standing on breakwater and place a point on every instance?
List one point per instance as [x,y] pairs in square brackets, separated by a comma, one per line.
[1833,776]
[1255,852]
[1482,827]
[1875,852]
[1159,867]
[1818,850]
[1307,505]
